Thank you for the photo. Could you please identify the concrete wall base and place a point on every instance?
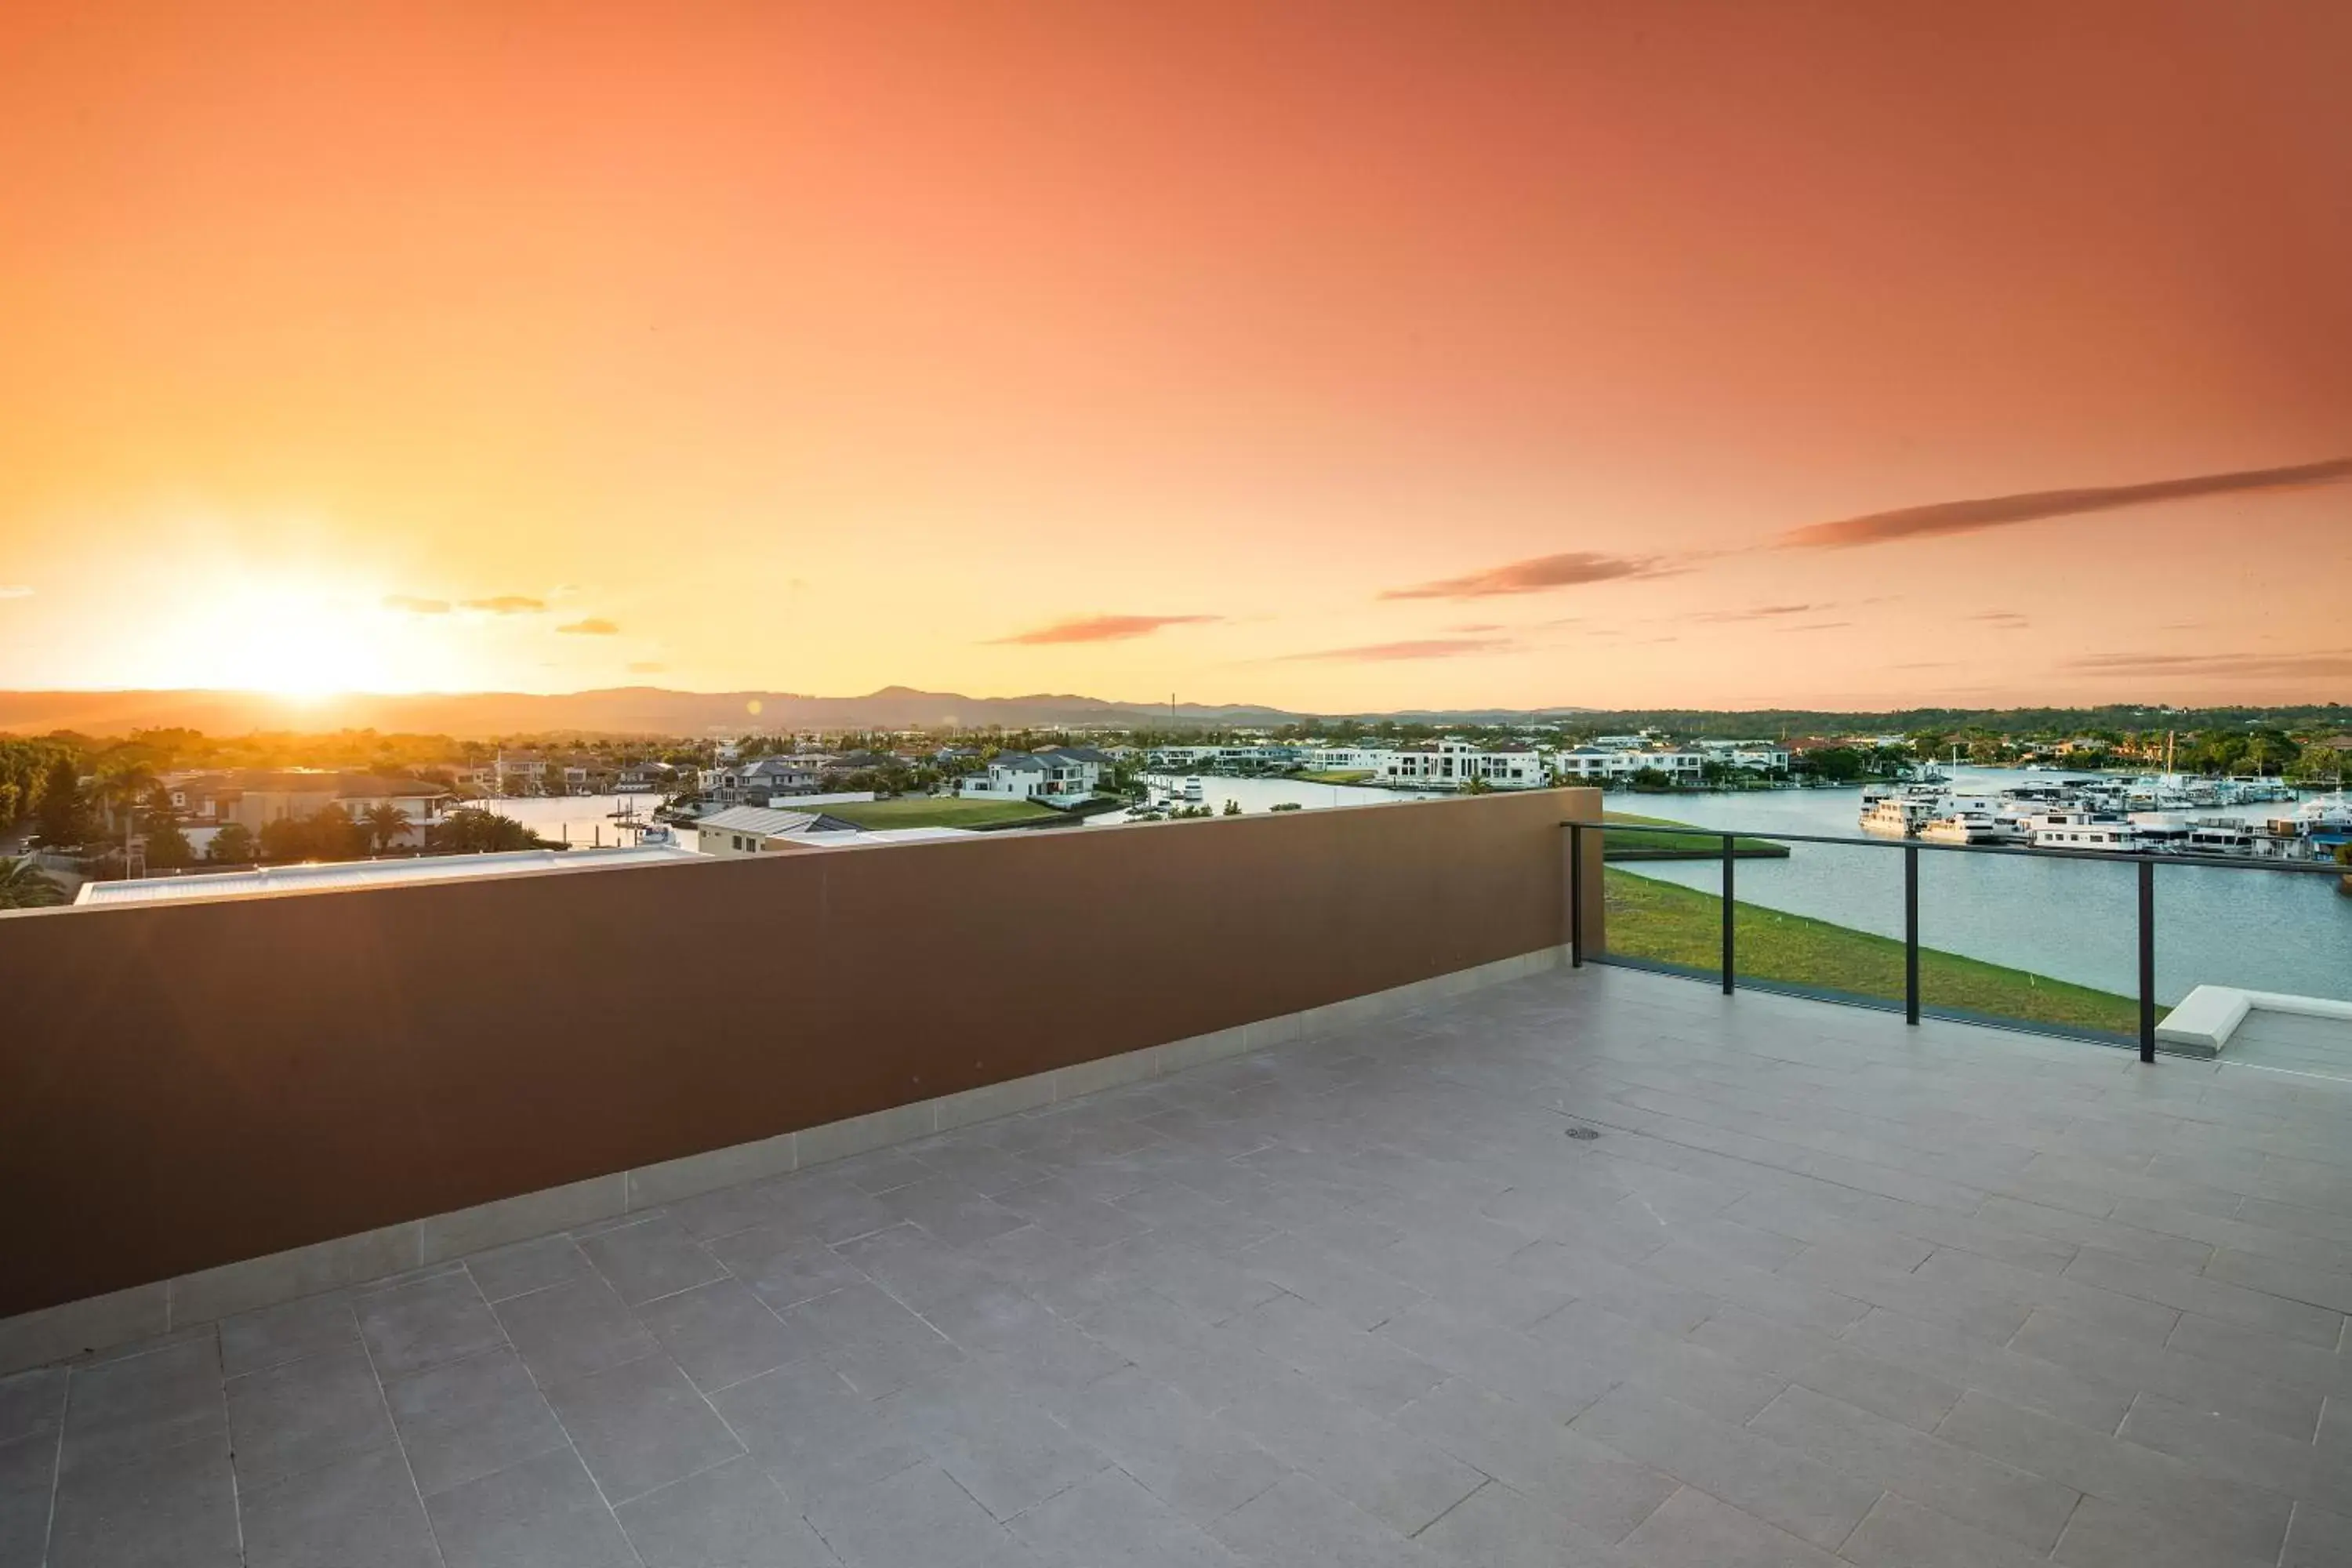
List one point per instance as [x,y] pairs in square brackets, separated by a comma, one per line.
[191,1301]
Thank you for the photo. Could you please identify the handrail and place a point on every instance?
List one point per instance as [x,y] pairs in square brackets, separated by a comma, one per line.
[2147,860]
[2128,856]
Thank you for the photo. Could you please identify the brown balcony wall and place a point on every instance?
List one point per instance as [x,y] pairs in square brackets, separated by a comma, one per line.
[189,1085]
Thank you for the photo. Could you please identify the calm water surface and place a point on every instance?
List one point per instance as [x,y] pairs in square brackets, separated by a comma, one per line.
[2075,920]
[2072,918]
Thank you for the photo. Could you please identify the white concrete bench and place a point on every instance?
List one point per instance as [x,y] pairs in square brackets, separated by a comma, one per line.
[2203,1021]
[2208,1015]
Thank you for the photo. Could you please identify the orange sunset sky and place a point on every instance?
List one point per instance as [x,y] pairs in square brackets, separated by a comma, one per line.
[1350,355]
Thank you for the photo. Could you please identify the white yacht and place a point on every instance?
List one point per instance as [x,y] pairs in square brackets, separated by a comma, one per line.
[1193,790]
[1965,825]
[1969,820]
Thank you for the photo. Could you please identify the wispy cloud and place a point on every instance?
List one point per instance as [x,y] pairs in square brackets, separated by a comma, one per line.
[505,604]
[415,605]
[593,627]
[1815,627]
[2314,664]
[2002,620]
[14,591]
[1475,627]
[1427,648]
[1101,628]
[1534,576]
[1761,613]
[2001,512]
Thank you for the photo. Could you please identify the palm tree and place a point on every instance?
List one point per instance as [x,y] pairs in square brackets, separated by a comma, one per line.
[385,822]
[122,789]
[24,886]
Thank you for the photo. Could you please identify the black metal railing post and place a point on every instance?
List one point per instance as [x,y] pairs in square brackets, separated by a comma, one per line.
[1729,843]
[2148,961]
[1911,933]
[1576,894]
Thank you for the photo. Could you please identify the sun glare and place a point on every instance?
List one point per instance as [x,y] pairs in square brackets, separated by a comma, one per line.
[293,639]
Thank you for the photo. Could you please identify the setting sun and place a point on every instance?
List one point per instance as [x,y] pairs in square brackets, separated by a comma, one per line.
[291,638]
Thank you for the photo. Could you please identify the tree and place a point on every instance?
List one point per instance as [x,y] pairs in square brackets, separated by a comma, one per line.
[1233,808]
[472,831]
[286,838]
[1838,765]
[384,822]
[62,818]
[24,886]
[1477,787]
[334,836]
[121,788]
[167,847]
[232,846]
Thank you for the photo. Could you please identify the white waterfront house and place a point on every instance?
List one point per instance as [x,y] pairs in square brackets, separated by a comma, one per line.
[1756,756]
[1059,775]
[1452,763]
[1611,764]
[1348,759]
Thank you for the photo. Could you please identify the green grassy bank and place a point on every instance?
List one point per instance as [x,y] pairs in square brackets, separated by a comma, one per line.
[938,811]
[1665,923]
[1627,842]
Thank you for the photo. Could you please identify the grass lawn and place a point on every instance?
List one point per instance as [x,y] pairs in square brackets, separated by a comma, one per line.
[1334,776]
[1670,924]
[1629,844]
[936,811]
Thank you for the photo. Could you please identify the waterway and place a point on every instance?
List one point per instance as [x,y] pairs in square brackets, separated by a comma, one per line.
[2075,920]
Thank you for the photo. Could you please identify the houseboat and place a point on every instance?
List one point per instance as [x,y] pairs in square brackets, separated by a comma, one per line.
[1898,815]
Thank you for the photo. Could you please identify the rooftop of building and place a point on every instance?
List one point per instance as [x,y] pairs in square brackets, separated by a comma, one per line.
[1591,1267]
[342,875]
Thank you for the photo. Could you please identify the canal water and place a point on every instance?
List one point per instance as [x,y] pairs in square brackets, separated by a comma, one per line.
[2074,919]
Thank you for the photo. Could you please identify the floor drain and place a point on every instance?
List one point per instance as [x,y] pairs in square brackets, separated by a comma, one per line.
[1583,1134]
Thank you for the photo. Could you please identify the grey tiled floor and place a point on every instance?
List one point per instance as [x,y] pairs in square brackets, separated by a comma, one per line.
[2293,1041]
[1823,1290]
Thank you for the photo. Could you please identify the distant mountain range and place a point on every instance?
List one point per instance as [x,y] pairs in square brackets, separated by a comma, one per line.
[628,710]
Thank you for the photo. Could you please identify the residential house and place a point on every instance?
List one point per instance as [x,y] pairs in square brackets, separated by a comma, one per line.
[1054,778]
[520,772]
[757,829]
[1348,759]
[1611,764]
[1756,756]
[257,797]
[1452,763]
[760,781]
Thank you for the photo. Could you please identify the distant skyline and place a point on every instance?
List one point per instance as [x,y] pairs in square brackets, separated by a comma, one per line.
[1332,356]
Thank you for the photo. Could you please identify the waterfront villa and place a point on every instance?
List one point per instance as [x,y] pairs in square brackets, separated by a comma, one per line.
[257,796]
[1601,763]
[1059,776]
[1452,763]
[758,783]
